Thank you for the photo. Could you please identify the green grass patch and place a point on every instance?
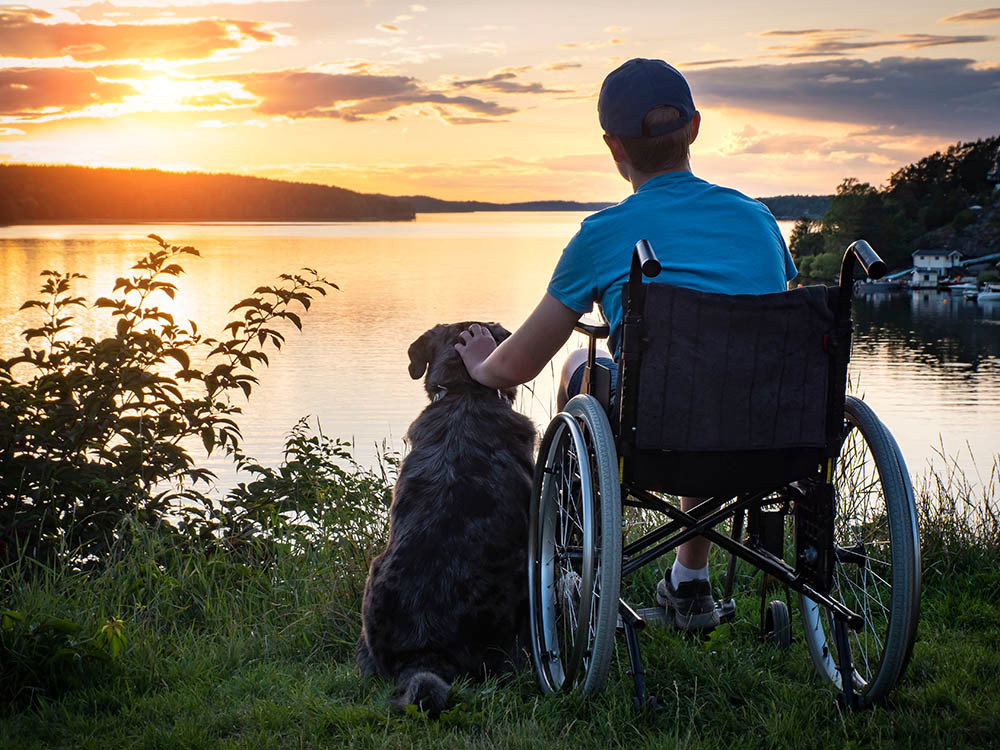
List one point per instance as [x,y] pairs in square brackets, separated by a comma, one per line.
[221,648]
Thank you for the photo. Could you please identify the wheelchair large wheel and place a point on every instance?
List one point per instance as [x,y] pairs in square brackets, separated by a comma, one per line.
[574,563]
[877,568]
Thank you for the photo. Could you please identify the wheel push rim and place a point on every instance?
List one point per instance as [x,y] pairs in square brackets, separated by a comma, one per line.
[565,571]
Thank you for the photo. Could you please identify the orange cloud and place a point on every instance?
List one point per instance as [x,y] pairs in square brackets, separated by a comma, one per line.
[505,83]
[26,33]
[563,65]
[969,16]
[353,97]
[839,42]
[31,92]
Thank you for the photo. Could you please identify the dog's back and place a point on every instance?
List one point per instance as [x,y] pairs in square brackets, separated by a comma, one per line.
[448,597]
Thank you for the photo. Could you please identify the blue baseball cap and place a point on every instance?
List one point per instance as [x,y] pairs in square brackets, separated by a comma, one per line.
[637,86]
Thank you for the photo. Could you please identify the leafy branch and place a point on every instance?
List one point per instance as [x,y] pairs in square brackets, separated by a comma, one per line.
[94,430]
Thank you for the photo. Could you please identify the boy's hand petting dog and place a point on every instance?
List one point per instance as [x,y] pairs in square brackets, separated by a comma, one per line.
[476,345]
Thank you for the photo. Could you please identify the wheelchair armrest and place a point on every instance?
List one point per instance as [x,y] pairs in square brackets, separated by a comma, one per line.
[594,330]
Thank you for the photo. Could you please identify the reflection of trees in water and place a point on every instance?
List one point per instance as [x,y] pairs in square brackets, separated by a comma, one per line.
[930,327]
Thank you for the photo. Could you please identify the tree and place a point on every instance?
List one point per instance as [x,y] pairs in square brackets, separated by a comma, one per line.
[858,211]
[806,239]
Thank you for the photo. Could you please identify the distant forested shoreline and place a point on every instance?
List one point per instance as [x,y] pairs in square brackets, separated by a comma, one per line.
[31,194]
[39,193]
[782,206]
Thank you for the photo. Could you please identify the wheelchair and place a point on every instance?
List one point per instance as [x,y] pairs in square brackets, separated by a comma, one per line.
[740,400]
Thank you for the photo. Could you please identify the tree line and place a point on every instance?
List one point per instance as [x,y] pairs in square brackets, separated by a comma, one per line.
[797,206]
[934,192]
[32,193]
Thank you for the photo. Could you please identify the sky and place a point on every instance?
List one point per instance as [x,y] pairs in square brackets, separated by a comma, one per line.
[469,100]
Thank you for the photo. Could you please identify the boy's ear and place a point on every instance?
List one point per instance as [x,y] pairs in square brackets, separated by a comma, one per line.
[615,147]
[420,355]
[695,126]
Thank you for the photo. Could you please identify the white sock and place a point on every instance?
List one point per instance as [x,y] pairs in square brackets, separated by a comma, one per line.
[681,573]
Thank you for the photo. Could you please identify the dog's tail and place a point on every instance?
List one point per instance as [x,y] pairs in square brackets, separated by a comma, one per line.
[423,688]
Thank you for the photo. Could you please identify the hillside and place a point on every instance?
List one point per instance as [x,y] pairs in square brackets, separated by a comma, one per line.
[945,200]
[975,234]
[35,193]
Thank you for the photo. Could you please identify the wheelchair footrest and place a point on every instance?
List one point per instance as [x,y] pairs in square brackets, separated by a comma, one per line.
[726,609]
[653,615]
[658,615]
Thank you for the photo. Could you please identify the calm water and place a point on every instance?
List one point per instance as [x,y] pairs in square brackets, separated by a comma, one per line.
[928,363]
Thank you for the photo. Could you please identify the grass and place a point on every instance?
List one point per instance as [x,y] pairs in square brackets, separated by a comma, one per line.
[253,648]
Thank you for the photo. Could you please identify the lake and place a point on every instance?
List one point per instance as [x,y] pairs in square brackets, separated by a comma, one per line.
[927,362]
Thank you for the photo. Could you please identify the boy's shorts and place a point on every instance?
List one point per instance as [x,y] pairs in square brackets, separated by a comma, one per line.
[576,379]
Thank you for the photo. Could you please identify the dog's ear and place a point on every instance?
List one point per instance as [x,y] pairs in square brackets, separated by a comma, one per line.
[498,331]
[420,355]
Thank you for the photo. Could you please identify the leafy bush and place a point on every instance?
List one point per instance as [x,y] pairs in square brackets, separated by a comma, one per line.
[53,654]
[318,494]
[827,265]
[93,431]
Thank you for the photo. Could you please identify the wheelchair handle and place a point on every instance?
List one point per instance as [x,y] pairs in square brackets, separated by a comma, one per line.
[648,262]
[874,266]
[594,330]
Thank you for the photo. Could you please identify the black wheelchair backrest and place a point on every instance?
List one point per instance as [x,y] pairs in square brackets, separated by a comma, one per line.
[734,372]
[718,392]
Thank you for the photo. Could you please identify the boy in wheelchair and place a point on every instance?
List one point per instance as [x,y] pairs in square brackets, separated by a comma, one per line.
[709,238]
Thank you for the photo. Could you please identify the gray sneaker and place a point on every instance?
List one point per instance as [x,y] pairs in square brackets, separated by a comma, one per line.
[690,606]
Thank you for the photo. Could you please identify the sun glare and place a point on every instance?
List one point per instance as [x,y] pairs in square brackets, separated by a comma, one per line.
[162,92]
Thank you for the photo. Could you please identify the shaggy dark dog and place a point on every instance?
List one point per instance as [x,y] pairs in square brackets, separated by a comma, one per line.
[448,597]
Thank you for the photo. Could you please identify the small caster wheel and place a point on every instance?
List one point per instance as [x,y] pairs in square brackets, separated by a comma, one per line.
[777,625]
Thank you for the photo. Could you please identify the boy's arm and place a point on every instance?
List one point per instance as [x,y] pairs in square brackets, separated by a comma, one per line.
[522,356]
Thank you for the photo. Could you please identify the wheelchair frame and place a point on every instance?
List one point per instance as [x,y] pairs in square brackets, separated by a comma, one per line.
[811,499]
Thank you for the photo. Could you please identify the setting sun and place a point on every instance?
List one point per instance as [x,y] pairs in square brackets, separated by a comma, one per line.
[162,92]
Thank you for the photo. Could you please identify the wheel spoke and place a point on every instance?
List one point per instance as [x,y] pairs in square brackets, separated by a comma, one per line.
[873,511]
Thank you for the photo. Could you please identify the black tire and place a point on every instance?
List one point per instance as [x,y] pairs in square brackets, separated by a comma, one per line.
[777,624]
[574,550]
[877,572]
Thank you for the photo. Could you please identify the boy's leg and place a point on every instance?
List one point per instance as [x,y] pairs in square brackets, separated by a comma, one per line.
[685,590]
[693,605]
[574,361]
[693,554]
[569,385]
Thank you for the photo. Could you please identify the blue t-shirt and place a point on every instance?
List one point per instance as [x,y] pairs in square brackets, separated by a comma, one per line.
[706,237]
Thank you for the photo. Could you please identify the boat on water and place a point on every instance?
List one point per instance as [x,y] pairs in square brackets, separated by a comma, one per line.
[989,293]
[961,287]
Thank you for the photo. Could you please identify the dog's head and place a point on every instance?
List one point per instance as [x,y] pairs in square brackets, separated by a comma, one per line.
[434,352]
